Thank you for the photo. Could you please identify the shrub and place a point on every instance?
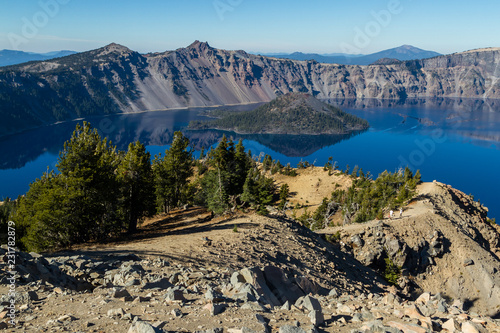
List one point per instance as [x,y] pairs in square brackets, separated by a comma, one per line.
[392,271]
[335,238]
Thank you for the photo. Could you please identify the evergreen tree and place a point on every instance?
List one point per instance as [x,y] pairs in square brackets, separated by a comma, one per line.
[215,189]
[136,178]
[284,192]
[172,174]
[5,211]
[354,172]
[80,203]
[44,215]
[87,165]
[258,190]
[238,169]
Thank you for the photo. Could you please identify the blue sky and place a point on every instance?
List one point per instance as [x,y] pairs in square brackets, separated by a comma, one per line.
[357,26]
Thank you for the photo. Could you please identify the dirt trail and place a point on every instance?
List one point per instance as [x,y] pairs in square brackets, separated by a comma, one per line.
[414,209]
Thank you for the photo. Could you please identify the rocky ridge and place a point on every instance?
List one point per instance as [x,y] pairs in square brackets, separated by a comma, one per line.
[124,293]
[115,79]
[443,243]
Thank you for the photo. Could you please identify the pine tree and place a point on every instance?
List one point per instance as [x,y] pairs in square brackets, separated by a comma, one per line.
[172,174]
[238,169]
[87,165]
[215,184]
[78,204]
[43,216]
[136,179]
[284,192]
[258,190]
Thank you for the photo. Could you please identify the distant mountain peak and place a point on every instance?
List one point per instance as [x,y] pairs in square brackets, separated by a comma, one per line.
[402,53]
[199,45]
[408,49]
[114,47]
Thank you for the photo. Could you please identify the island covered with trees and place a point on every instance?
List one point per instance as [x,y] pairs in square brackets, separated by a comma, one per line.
[293,113]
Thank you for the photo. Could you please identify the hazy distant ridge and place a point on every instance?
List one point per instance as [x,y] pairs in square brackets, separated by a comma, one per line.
[12,57]
[404,52]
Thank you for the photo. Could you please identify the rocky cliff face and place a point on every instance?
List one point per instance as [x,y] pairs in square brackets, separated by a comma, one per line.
[443,243]
[116,79]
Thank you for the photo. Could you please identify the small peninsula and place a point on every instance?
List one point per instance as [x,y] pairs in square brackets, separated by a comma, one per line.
[293,113]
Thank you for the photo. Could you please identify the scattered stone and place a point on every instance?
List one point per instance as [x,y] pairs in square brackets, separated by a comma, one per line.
[141,299]
[255,277]
[159,324]
[174,295]
[214,330]
[463,317]
[470,327]
[30,318]
[468,262]
[282,287]
[427,311]
[213,296]
[254,306]
[344,309]
[391,299]
[116,313]
[160,283]
[66,318]
[215,309]
[451,325]
[308,302]
[33,296]
[142,327]
[286,306]
[458,304]
[356,241]
[176,313]
[442,306]
[316,317]
[291,329]
[237,279]
[407,328]
[121,293]
[128,316]
[333,293]
[423,298]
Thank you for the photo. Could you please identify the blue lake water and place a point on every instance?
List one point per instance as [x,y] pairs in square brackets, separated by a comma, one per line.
[452,141]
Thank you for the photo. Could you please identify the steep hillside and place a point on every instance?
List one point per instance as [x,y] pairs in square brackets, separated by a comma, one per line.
[79,85]
[116,79]
[189,272]
[293,113]
[442,242]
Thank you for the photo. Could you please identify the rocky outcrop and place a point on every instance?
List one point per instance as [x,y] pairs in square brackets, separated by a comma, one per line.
[116,79]
[153,295]
[443,243]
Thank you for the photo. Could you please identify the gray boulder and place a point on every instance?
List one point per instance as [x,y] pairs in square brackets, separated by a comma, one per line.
[143,327]
[291,329]
[281,287]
